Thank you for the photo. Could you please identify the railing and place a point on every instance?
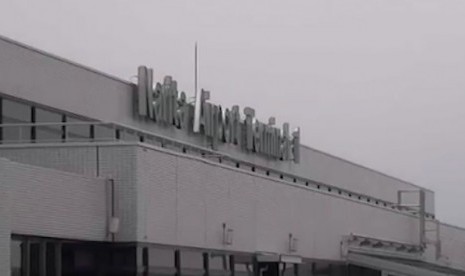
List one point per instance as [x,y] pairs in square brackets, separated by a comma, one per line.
[70,132]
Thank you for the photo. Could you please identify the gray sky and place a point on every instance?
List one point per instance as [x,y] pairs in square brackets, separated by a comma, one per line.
[378,82]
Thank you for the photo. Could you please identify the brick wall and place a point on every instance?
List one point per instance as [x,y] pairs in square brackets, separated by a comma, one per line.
[77,159]
[47,202]
[184,201]
[115,161]
[119,163]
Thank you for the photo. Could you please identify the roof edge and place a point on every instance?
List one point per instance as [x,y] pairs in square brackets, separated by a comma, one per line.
[65,60]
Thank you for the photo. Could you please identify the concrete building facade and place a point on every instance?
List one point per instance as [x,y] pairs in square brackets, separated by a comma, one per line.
[89,186]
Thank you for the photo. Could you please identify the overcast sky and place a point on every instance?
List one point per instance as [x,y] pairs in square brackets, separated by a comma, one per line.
[381,83]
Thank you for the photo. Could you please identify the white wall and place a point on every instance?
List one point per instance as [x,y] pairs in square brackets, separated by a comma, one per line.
[453,245]
[51,203]
[184,201]
[111,161]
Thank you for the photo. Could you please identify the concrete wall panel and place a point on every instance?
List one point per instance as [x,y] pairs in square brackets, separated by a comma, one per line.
[261,211]
[453,245]
[52,203]
[80,160]
[119,163]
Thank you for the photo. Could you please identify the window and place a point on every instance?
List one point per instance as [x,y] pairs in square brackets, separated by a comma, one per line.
[48,133]
[288,269]
[192,263]
[219,264]
[243,265]
[76,131]
[161,261]
[104,133]
[16,113]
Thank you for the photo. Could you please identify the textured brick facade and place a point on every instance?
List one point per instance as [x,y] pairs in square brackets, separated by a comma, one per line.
[185,201]
[111,161]
[53,203]
[50,203]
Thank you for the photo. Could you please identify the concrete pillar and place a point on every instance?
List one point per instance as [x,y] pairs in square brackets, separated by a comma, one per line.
[58,260]
[145,261]
[43,259]
[26,258]
[142,261]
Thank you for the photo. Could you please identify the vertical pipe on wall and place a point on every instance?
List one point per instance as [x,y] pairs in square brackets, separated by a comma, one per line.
[111,207]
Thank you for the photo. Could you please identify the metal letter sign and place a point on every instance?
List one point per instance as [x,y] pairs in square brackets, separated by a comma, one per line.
[164,105]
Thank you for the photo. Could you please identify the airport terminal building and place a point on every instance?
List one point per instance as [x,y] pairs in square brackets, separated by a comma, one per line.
[100,176]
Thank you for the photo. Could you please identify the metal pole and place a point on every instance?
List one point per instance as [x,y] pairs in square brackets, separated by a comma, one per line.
[197,96]
[422,218]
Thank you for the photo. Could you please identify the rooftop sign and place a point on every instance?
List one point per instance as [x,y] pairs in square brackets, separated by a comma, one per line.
[164,105]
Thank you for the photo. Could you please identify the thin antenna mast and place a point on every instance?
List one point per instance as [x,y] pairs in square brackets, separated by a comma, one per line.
[197,96]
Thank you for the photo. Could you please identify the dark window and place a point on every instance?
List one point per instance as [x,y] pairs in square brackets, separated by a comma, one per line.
[192,263]
[287,269]
[129,136]
[16,113]
[161,261]
[76,130]
[219,264]
[243,265]
[50,130]
[104,133]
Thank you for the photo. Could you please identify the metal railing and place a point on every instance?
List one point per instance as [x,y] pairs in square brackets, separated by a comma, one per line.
[69,132]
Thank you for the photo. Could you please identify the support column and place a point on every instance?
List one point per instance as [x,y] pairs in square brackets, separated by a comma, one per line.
[58,260]
[177,262]
[140,268]
[33,133]
[232,265]
[145,261]
[26,258]
[64,133]
[206,264]
[43,258]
